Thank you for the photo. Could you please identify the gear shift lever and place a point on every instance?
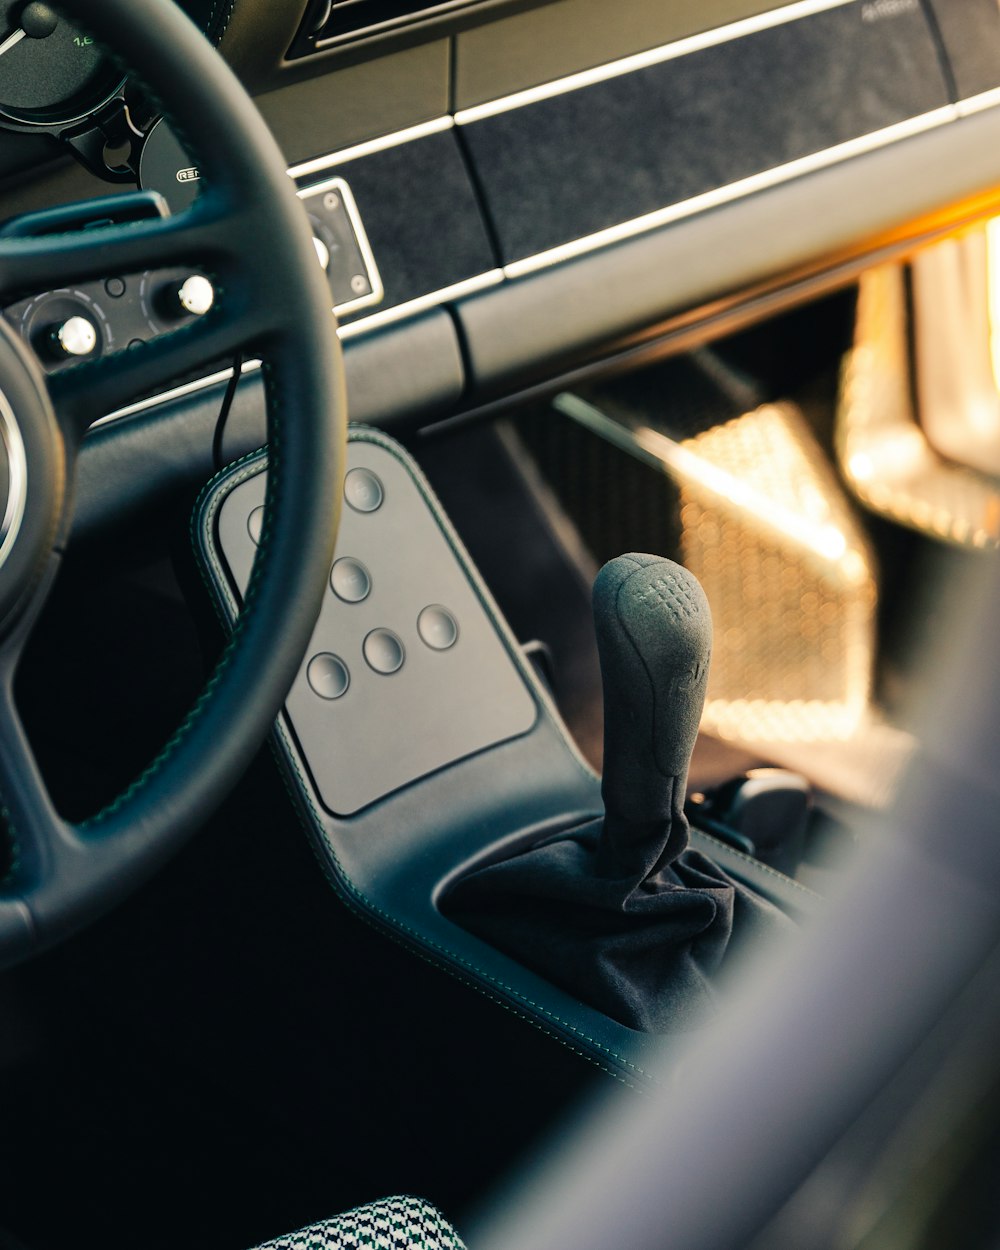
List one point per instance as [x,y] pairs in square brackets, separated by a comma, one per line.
[619,911]
[654,637]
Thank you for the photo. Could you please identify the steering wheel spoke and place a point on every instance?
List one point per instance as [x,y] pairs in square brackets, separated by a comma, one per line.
[202,236]
[205,238]
[87,392]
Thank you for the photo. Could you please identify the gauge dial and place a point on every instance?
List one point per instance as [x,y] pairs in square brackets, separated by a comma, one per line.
[52,72]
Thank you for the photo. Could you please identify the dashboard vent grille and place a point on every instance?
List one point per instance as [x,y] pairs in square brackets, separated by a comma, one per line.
[328,23]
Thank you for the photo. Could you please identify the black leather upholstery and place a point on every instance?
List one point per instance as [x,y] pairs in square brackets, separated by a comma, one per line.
[395,860]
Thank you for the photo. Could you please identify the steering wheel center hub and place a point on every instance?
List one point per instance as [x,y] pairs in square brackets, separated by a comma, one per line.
[32,477]
[13,478]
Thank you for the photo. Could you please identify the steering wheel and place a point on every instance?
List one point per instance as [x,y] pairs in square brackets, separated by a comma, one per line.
[272,302]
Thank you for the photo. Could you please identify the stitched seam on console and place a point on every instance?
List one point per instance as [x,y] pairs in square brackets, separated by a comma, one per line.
[342,881]
[449,955]
[419,938]
[213,32]
[224,25]
[15,846]
[227,606]
[355,899]
[349,897]
[213,484]
[756,863]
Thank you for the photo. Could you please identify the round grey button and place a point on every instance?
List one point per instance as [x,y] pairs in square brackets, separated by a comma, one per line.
[328,675]
[363,491]
[350,580]
[437,627]
[383,651]
[255,523]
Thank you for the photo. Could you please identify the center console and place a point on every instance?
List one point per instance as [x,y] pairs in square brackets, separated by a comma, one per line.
[418,743]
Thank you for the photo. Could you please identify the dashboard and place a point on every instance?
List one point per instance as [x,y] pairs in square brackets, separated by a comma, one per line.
[502,192]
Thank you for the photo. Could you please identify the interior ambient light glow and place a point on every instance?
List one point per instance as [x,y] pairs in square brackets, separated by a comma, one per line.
[767,530]
[884,452]
[788,575]
[805,522]
[993,294]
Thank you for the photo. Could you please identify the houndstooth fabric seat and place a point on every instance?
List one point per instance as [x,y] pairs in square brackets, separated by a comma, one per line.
[390,1224]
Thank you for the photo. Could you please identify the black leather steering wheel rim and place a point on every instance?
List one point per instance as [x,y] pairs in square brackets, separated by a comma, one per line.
[248,231]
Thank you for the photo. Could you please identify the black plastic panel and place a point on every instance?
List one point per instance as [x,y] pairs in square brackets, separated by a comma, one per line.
[409,697]
[326,24]
[357,102]
[19,153]
[970,31]
[580,162]
[553,40]
[421,216]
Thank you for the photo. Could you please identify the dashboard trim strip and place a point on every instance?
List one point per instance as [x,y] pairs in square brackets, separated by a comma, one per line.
[978,103]
[382,144]
[492,277]
[652,56]
[177,392]
[468,286]
[590,243]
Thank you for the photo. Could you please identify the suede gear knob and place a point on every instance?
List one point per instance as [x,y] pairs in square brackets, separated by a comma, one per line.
[654,636]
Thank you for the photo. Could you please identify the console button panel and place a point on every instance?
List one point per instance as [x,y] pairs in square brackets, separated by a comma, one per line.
[406,678]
